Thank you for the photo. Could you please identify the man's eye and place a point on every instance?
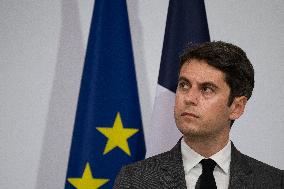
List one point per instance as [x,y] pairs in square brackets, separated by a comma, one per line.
[207,90]
[183,85]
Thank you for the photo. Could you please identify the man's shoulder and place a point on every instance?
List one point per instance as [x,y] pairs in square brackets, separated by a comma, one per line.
[145,173]
[166,159]
[153,171]
[242,164]
[153,162]
[260,166]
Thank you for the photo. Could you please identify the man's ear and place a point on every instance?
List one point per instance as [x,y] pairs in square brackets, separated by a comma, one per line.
[237,107]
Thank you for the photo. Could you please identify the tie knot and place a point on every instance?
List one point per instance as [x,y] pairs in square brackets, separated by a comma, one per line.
[208,165]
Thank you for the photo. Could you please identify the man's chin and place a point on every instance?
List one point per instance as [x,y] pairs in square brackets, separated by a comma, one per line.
[193,133]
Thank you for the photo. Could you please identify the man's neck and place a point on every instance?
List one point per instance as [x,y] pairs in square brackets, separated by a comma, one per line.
[206,146]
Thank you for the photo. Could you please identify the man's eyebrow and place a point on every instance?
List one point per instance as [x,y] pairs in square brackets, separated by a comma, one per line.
[208,83]
[183,79]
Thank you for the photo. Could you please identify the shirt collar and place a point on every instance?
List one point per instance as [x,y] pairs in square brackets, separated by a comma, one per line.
[223,158]
[191,158]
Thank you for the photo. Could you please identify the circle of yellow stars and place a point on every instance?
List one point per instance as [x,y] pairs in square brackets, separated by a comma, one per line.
[117,137]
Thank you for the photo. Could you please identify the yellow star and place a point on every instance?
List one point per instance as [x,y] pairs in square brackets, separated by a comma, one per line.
[117,136]
[87,181]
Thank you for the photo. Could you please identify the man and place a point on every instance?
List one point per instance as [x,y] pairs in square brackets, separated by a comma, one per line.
[215,81]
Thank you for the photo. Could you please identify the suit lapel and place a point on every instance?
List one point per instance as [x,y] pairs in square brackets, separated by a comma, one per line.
[172,171]
[240,171]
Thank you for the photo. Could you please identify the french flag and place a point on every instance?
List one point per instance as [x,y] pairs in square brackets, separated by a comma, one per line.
[186,23]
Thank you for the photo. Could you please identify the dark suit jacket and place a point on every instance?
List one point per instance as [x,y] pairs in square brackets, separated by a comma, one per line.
[166,171]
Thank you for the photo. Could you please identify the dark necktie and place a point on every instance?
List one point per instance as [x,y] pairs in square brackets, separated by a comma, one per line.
[206,179]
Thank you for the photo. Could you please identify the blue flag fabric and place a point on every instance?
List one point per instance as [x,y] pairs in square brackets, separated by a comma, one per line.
[108,127]
[186,23]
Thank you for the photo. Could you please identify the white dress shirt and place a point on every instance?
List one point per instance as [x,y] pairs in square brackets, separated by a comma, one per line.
[193,168]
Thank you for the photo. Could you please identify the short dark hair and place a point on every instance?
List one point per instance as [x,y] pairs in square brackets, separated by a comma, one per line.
[228,58]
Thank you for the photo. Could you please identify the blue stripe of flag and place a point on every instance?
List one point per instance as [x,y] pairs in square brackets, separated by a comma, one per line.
[186,23]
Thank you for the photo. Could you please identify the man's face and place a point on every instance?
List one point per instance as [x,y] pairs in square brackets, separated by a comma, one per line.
[201,105]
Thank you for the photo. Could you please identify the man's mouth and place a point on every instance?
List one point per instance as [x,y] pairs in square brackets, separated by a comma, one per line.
[189,114]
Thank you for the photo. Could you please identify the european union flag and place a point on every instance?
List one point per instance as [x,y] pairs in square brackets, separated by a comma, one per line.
[108,128]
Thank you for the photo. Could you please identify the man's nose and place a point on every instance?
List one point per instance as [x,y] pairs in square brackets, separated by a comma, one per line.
[192,96]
